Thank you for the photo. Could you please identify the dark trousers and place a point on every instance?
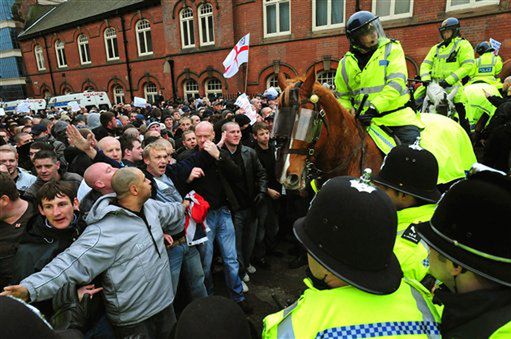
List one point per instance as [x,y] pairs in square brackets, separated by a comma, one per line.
[159,326]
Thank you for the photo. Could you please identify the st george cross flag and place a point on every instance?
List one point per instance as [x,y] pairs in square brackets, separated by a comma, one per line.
[237,57]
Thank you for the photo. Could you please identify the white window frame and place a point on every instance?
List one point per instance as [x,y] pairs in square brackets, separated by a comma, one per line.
[194,93]
[83,49]
[188,21]
[118,94]
[320,74]
[39,58]
[109,41]
[146,29]
[329,24]
[470,5]
[214,91]
[60,53]
[267,3]
[152,94]
[206,17]
[393,16]
[272,81]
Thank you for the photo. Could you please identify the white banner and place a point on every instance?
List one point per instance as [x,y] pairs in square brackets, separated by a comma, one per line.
[74,106]
[236,57]
[244,103]
[139,102]
[23,107]
[496,45]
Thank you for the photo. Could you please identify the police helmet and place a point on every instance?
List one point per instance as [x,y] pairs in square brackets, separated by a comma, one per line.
[450,24]
[483,47]
[362,23]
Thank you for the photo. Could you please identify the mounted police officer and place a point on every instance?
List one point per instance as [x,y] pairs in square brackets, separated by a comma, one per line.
[470,252]
[449,62]
[376,66]
[409,176]
[487,66]
[355,286]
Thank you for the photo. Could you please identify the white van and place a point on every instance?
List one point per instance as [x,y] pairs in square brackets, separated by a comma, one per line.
[34,104]
[85,99]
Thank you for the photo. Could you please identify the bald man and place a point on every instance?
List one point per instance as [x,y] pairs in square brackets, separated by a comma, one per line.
[111,147]
[97,176]
[124,244]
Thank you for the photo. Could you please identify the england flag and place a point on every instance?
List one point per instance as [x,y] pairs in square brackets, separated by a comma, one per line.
[237,57]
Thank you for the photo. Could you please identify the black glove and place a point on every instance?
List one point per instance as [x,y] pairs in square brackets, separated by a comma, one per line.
[426,83]
[365,119]
[444,84]
[259,199]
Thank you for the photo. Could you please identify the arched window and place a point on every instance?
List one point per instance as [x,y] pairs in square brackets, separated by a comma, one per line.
[46,94]
[272,81]
[150,92]
[67,90]
[191,89]
[213,87]
[112,51]
[89,89]
[327,77]
[144,40]
[206,31]
[118,95]
[61,54]
[187,37]
[83,49]
[39,58]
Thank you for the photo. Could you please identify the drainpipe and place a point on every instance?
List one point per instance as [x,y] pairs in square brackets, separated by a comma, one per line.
[357,5]
[49,66]
[172,79]
[128,68]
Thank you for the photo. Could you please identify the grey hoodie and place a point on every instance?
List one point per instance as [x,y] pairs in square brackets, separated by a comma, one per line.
[136,280]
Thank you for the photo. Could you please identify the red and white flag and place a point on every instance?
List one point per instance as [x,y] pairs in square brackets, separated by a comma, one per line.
[237,57]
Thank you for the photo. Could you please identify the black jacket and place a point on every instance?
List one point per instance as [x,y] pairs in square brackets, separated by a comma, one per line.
[77,160]
[253,172]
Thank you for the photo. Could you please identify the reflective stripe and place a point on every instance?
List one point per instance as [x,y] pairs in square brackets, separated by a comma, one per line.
[369,90]
[342,94]
[424,74]
[345,74]
[427,316]
[471,61]
[455,76]
[285,329]
[384,329]
[290,308]
[397,76]
[397,87]
[429,62]
[445,56]
[388,49]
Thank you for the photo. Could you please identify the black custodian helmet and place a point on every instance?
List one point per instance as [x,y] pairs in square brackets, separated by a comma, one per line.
[452,24]
[361,23]
[483,47]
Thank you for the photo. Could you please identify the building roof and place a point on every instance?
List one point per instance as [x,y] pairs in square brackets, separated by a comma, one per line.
[75,12]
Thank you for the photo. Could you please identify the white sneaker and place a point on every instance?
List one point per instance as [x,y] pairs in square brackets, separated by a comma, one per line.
[245,287]
[251,269]
[246,278]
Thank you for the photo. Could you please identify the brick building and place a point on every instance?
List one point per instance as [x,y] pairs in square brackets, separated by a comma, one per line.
[177,46]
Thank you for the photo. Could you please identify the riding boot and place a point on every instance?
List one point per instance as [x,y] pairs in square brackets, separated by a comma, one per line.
[460,108]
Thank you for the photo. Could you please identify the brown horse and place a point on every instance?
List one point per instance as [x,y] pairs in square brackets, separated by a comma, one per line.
[343,147]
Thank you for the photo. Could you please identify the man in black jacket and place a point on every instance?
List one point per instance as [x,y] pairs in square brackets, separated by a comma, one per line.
[470,242]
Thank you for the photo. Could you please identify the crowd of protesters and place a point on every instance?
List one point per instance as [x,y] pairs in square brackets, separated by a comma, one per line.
[197,176]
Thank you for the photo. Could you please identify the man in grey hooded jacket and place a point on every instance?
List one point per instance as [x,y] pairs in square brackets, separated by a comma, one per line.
[124,242]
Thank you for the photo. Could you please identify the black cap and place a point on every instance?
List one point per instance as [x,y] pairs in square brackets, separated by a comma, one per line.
[412,170]
[470,226]
[350,229]
[38,129]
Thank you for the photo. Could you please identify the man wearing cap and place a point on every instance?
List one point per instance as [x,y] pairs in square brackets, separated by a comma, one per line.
[355,286]
[470,242]
[409,175]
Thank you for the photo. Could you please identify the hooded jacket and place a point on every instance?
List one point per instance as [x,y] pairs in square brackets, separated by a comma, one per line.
[135,268]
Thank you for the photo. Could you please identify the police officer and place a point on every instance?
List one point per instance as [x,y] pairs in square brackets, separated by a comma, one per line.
[449,62]
[409,177]
[376,66]
[470,253]
[355,286]
[487,66]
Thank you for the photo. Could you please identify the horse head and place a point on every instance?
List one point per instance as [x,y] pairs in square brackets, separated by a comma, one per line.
[308,130]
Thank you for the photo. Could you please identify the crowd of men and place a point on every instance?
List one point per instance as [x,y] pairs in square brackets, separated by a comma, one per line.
[107,215]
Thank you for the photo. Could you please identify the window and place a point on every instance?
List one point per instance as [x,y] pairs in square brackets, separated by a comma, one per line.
[272,81]
[327,14]
[191,89]
[393,9]
[150,92]
[144,41]
[118,95]
[207,36]
[61,54]
[89,89]
[39,58]
[453,5]
[83,49]
[187,37]
[112,51]
[327,77]
[213,87]
[276,17]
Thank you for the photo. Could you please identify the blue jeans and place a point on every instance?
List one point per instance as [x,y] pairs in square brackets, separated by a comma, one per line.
[188,258]
[222,230]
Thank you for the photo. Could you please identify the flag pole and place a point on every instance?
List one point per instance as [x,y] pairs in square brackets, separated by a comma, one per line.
[246,72]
